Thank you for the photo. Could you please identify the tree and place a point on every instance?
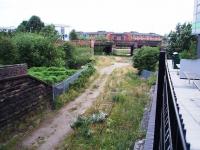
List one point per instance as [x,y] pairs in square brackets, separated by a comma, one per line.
[8,54]
[50,32]
[69,49]
[23,27]
[36,50]
[180,39]
[146,58]
[73,35]
[35,24]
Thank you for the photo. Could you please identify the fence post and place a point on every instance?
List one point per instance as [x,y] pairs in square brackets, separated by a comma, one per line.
[159,101]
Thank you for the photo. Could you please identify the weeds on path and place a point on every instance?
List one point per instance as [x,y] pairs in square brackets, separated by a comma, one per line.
[124,99]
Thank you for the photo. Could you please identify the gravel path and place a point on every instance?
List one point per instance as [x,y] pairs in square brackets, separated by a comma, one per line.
[52,131]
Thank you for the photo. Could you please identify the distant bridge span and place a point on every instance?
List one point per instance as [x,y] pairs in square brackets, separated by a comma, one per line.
[109,45]
[132,44]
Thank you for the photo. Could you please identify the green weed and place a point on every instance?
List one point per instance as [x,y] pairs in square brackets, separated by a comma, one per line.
[51,75]
[122,127]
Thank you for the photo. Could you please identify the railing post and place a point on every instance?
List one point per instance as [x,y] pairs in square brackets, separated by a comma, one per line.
[161,74]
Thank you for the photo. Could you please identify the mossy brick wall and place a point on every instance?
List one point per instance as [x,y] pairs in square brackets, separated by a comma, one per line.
[20,95]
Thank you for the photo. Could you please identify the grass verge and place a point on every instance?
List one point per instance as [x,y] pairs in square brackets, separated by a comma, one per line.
[123,100]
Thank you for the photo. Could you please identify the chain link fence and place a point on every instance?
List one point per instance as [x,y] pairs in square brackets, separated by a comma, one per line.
[63,86]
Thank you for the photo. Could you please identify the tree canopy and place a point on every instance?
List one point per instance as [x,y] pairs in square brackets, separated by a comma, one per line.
[50,32]
[73,35]
[180,39]
[34,24]
[146,58]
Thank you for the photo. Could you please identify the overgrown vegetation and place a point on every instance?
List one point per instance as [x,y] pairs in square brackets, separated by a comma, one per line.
[182,41]
[77,56]
[8,53]
[73,35]
[123,99]
[146,58]
[191,53]
[39,45]
[76,87]
[51,75]
[34,24]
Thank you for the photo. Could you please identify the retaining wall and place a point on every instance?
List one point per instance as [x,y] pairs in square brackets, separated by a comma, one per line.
[20,95]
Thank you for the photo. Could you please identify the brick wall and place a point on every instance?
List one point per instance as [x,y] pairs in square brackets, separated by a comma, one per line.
[20,95]
[12,70]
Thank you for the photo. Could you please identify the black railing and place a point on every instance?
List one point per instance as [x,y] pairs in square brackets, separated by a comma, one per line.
[169,132]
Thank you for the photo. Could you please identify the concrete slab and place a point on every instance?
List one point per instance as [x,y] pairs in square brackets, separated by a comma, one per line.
[188,98]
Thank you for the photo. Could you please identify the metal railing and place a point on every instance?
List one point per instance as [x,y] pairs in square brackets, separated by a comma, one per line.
[62,87]
[168,131]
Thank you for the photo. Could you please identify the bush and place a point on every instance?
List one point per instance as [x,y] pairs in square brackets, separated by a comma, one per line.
[76,56]
[68,49]
[8,53]
[146,58]
[191,53]
[36,50]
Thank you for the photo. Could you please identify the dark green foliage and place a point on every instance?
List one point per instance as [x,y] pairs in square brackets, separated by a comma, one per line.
[36,50]
[34,24]
[191,53]
[68,49]
[76,56]
[23,27]
[51,75]
[73,35]
[8,53]
[81,56]
[146,58]
[50,32]
[180,39]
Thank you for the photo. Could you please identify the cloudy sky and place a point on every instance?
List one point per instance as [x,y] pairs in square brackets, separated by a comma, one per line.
[159,16]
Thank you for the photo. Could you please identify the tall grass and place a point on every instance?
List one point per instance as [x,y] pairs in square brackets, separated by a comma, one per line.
[125,96]
[77,87]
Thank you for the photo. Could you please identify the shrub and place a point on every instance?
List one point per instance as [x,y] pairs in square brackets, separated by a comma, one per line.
[8,54]
[191,53]
[146,58]
[68,49]
[36,50]
[76,56]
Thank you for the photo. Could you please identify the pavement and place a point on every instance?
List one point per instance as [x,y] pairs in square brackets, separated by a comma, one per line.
[188,98]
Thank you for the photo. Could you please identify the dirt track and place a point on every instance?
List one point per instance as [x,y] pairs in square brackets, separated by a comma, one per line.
[51,132]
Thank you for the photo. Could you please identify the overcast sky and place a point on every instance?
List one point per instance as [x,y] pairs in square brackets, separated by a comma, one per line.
[159,16]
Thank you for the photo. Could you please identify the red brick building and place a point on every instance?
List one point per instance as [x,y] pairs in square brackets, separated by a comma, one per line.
[123,37]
